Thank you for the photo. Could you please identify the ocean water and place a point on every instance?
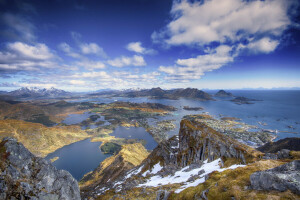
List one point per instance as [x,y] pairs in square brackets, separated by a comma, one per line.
[277,110]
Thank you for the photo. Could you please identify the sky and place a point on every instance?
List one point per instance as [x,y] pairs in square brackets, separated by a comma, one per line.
[117,44]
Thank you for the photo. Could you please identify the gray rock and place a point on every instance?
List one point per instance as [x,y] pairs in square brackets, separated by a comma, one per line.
[283,153]
[271,156]
[281,178]
[162,195]
[28,177]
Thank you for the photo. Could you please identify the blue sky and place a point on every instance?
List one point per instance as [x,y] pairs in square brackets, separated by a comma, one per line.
[91,45]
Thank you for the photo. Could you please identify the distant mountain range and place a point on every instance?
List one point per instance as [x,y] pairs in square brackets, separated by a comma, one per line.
[34,92]
[158,93]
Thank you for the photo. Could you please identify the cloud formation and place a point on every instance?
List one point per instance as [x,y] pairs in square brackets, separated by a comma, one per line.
[23,57]
[127,61]
[222,21]
[194,68]
[253,26]
[138,48]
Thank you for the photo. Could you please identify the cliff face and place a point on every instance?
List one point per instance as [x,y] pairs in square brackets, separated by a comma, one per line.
[24,176]
[197,143]
[112,168]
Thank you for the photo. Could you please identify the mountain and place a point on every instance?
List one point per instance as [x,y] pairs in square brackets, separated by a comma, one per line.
[25,176]
[191,93]
[158,93]
[223,93]
[34,92]
[201,163]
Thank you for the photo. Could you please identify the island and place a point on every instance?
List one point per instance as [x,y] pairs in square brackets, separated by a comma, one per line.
[223,93]
[243,100]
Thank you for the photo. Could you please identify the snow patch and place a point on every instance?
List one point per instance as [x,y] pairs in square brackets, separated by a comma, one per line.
[133,172]
[182,176]
[156,168]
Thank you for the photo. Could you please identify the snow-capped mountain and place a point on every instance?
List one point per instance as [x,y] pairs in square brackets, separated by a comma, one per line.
[33,92]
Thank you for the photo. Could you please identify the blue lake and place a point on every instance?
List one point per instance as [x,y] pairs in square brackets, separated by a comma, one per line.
[135,133]
[78,158]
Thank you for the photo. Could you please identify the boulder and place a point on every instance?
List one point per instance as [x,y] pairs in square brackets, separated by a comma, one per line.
[281,178]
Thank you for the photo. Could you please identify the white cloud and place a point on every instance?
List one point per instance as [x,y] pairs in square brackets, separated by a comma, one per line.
[242,25]
[127,61]
[92,48]
[68,50]
[23,57]
[136,47]
[264,45]
[77,82]
[38,51]
[91,64]
[194,68]
[100,74]
[202,23]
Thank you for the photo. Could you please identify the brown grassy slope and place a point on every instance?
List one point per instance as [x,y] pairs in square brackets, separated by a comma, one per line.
[28,111]
[130,156]
[39,139]
[234,184]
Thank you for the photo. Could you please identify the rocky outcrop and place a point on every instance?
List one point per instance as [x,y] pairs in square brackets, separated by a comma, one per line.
[24,176]
[292,144]
[281,178]
[282,154]
[195,144]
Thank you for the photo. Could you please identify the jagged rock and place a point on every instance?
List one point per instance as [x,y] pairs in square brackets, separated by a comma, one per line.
[203,194]
[162,195]
[24,176]
[281,178]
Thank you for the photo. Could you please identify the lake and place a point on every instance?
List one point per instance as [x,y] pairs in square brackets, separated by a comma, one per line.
[78,158]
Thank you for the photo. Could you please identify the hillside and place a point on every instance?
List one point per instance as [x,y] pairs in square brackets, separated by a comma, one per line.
[113,167]
[39,139]
[286,143]
[41,112]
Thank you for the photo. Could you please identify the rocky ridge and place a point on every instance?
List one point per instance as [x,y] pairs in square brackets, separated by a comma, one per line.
[24,176]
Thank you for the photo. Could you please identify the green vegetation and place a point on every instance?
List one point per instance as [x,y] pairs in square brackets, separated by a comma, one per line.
[110,148]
